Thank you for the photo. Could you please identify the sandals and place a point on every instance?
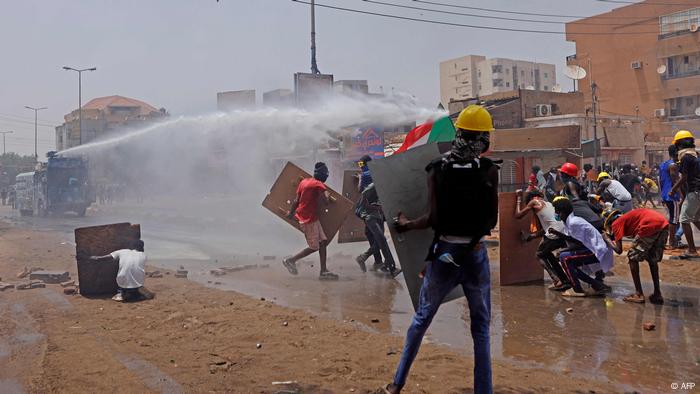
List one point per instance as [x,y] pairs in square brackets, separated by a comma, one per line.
[290,265]
[572,293]
[634,298]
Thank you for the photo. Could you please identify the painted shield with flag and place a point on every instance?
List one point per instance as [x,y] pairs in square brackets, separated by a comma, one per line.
[440,130]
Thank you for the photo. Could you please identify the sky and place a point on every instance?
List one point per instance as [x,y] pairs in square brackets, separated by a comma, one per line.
[178,54]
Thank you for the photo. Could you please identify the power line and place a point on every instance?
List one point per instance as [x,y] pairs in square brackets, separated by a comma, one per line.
[494,17]
[6,119]
[431,21]
[528,13]
[28,118]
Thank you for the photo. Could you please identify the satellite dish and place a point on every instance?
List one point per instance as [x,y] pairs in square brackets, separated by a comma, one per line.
[661,69]
[697,111]
[556,88]
[694,27]
[575,72]
[529,87]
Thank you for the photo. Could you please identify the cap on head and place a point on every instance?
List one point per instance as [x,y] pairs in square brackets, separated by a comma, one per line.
[475,118]
[682,134]
[569,169]
[603,175]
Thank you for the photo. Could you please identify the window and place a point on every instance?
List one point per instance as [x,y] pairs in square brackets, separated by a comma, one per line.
[507,84]
[479,73]
[682,107]
[497,83]
[497,68]
[682,66]
[546,88]
[455,65]
[546,76]
[507,71]
[690,101]
[685,59]
[522,73]
[679,21]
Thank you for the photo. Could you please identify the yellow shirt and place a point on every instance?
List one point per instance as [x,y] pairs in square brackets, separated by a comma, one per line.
[651,185]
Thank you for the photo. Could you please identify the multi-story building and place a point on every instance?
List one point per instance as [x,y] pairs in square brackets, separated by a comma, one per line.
[278,98]
[235,100]
[647,66]
[103,115]
[475,76]
[351,85]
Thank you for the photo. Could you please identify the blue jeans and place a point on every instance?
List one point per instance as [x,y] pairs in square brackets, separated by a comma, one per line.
[454,265]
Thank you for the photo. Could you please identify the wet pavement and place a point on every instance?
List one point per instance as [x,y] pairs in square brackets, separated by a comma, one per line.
[600,339]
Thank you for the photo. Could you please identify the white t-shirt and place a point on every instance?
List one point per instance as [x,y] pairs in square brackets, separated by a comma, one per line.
[618,191]
[132,268]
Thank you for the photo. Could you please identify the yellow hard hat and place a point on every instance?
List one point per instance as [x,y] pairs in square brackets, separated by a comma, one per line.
[558,198]
[603,175]
[681,135]
[475,118]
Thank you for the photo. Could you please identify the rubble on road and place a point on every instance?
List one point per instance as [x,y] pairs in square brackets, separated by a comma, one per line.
[70,290]
[68,283]
[5,286]
[154,274]
[181,273]
[32,284]
[51,277]
[26,271]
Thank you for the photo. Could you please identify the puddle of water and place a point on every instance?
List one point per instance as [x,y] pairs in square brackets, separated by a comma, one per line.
[530,325]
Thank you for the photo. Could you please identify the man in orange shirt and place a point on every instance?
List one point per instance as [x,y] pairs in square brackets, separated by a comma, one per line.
[310,192]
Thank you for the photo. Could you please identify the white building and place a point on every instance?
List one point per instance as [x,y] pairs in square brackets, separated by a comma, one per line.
[473,76]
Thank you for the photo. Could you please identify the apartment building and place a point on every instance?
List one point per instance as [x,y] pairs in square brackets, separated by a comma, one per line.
[474,76]
[648,66]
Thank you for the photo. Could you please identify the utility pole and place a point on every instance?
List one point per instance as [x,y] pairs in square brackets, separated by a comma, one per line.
[80,99]
[314,66]
[3,140]
[594,87]
[36,110]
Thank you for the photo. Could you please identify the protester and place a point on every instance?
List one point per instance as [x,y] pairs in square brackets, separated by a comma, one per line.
[651,191]
[550,189]
[614,192]
[586,247]
[310,192]
[650,231]
[543,212]
[532,179]
[569,177]
[463,208]
[668,176]
[690,180]
[370,211]
[365,179]
[630,181]
[132,271]
[644,169]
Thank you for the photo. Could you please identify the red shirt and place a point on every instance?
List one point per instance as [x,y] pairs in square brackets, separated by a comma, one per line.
[639,223]
[308,193]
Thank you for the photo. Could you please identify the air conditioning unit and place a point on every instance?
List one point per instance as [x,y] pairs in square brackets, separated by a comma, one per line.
[660,113]
[543,109]
[636,65]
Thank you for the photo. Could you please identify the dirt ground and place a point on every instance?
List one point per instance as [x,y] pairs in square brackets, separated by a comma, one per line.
[196,339]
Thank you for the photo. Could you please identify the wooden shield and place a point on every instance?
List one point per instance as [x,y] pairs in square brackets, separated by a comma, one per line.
[353,228]
[518,259]
[100,278]
[279,201]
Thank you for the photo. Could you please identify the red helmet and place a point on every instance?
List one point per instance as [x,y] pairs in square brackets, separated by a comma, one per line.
[569,169]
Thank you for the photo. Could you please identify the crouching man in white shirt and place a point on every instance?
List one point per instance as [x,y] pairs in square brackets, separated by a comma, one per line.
[132,271]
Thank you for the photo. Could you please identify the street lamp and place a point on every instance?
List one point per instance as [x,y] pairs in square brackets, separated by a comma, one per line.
[80,100]
[3,140]
[36,154]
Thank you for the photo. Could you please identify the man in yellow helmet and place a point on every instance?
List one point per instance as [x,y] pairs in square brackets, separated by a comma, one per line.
[690,181]
[614,192]
[463,208]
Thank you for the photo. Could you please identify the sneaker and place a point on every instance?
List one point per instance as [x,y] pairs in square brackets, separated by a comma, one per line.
[361,262]
[376,266]
[118,297]
[327,275]
[290,265]
[394,272]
